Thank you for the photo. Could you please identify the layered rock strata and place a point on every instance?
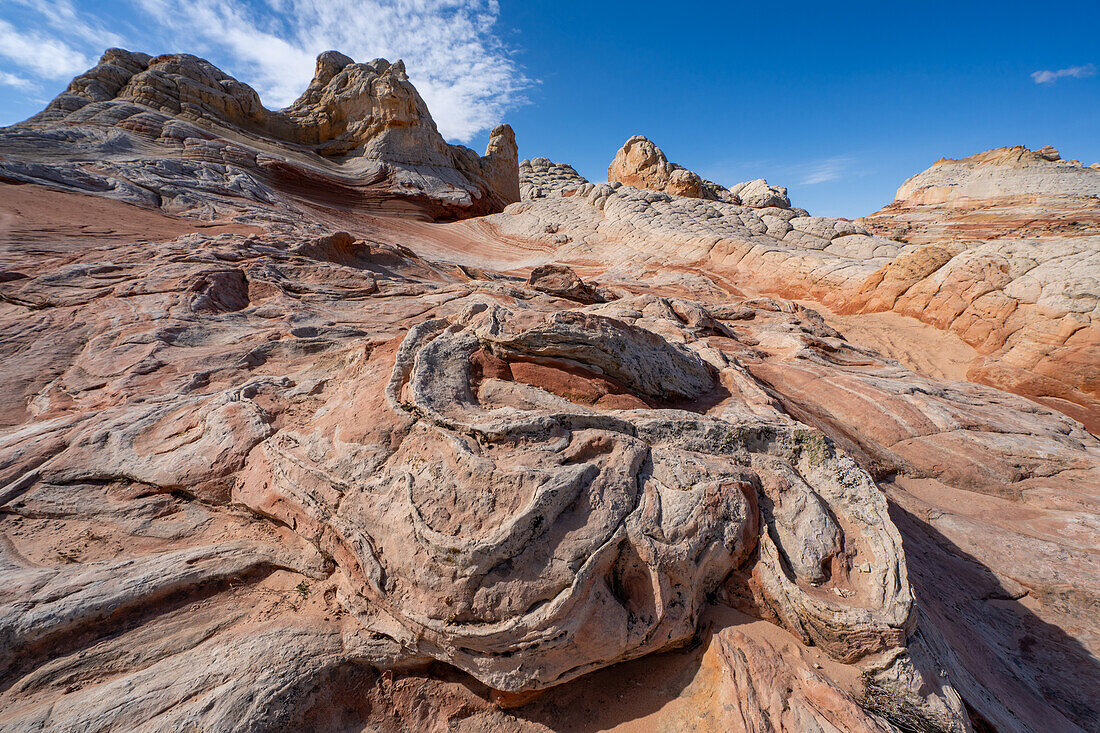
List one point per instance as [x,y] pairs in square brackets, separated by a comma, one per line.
[274,473]
[541,490]
[175,132]
[1006,253]
[1026,302]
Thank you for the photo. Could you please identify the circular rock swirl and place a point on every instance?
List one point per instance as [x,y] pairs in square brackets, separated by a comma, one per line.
[529,537]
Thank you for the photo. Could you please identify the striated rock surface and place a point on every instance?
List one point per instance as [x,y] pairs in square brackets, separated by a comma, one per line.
[1025,301]
[289,462]
[540,490]
[176,132]
[1011,262]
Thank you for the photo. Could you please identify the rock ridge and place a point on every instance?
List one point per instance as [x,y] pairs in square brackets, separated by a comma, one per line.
[1016,281]
[357,125]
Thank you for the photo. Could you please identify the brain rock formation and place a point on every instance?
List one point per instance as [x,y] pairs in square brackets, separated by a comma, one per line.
[312,421]
[529,538]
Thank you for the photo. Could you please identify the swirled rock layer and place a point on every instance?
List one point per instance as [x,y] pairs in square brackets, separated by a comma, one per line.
[1020,292]
[285,463]
[177,133]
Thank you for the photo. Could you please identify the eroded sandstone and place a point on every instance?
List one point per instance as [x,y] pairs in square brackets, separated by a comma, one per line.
[312,467]
[176,132]
[1025,300]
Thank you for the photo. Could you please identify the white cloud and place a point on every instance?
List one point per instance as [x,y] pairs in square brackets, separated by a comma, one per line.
[1077,72]
[62,15]
[279,68]
[450,47]
[826,170]
[14,80]
[39,54]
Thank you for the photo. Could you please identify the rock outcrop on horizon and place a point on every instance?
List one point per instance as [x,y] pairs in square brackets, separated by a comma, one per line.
[175,132]
[642,164]
[278,451]
[1004,190]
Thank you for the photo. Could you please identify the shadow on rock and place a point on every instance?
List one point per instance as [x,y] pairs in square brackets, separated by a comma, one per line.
[1013,669]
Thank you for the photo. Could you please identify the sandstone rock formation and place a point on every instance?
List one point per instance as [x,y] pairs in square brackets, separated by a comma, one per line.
[539,491]
[176,132]
[1011,262]
[1026,301]
[287,463]
[642,164]
[565,283]
[1038,179]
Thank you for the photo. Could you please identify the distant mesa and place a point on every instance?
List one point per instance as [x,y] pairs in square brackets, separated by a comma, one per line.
[1001,174]
[1008,192]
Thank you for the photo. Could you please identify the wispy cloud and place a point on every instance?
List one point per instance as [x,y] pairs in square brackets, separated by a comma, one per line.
[823,171]
[1076,72]
[63,15]
[451,48]
[14,80]
[785,172]
[39,54]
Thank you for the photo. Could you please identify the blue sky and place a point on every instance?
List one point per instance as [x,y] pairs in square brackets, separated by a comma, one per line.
[840,102]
